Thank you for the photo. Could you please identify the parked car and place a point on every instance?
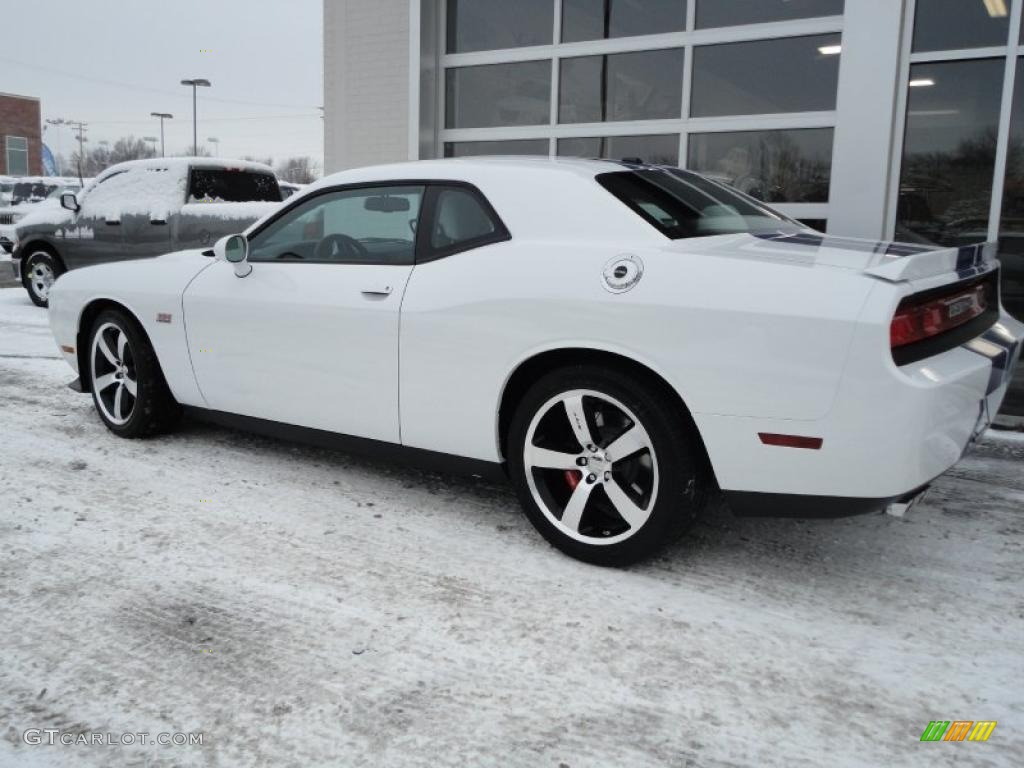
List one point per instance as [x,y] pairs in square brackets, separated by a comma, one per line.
[617,338]
[26,194]
[140,209]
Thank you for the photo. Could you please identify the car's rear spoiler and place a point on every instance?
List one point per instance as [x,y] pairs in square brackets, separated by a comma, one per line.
[966,261]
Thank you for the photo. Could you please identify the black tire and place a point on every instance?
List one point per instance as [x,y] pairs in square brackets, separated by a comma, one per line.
[40,265]
[676,489]
[153,407]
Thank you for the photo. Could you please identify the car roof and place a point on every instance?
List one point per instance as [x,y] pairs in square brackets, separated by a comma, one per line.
[470,168]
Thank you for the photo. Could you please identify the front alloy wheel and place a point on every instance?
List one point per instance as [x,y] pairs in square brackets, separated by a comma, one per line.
[114,377]
[608,466]
[127,383]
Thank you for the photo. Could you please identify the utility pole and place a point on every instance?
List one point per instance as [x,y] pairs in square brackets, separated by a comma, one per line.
[79,127]
[163,116]
[195,82]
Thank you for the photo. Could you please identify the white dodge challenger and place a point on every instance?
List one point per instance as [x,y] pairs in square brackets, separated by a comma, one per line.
[619,339]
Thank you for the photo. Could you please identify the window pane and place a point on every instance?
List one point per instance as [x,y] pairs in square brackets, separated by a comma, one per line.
[498,94]
[17,155]
[788,166]
[219,185]
[460,219]
[949,151]
[359,226]
[727,13]
[597,19]
[485,25]
[658,150]
[941,25]
[622,86]
[1011,226]
[509,147]
[766,76]
[681,204]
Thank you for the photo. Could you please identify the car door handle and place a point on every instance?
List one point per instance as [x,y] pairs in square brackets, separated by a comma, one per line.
[158,222]
[113,222]
[377,290]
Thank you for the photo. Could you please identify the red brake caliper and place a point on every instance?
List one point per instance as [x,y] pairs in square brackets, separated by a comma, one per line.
[573,477]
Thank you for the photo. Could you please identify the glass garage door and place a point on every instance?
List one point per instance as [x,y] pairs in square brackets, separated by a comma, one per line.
[742,90]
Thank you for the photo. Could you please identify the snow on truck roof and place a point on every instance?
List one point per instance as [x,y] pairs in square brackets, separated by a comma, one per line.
[180,165]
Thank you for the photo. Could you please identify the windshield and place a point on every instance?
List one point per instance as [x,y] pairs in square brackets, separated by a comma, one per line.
[682,204]
[225,185]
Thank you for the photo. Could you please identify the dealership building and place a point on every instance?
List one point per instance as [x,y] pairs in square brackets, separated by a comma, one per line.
[871,118]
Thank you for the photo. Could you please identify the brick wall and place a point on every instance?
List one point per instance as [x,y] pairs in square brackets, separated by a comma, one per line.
[366,82]
[20,116]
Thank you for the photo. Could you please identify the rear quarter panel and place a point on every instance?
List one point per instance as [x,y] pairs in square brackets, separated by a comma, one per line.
[736,336]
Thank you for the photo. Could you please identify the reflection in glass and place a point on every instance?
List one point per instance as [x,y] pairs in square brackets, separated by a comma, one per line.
[785,166]
[819,224]
[657,150]
[943,25]
[487,25]
[599,19]
[622,86]
[507,147]
[727,13]
[949,151]
[1011,225]
[498,94]
[795,74]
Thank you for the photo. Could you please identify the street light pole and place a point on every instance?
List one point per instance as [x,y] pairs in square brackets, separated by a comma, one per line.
[195,83]
[162,116]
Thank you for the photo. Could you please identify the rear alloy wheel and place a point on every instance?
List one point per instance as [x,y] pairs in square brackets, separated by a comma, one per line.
[40,271]
[128,387]
[607,468]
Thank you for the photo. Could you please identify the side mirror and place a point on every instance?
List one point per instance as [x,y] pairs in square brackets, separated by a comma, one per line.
[234,249]
[69,202]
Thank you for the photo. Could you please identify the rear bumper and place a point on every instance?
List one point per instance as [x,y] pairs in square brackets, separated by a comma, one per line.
[890,432]
[750,504]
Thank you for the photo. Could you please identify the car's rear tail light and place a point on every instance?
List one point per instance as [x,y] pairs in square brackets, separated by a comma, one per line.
[917,320]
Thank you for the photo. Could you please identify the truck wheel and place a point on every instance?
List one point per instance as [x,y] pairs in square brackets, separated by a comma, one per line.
[39,269]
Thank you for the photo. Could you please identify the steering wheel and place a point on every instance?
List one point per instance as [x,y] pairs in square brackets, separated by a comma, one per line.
[337,244]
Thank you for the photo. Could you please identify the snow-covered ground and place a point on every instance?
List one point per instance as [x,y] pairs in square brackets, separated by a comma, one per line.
[305,608]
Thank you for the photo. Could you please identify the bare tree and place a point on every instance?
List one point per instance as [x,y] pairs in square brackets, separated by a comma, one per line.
[264,160]
[100,157]
[298,170]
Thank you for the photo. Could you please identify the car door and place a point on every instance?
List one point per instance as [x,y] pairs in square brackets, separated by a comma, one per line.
[95,235]
[310,336]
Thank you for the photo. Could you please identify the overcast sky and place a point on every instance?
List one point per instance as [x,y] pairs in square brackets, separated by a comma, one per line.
[112,62]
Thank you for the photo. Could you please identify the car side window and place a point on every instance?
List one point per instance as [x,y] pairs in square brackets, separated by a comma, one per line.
[367,225]
[462,219]
[106,196]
